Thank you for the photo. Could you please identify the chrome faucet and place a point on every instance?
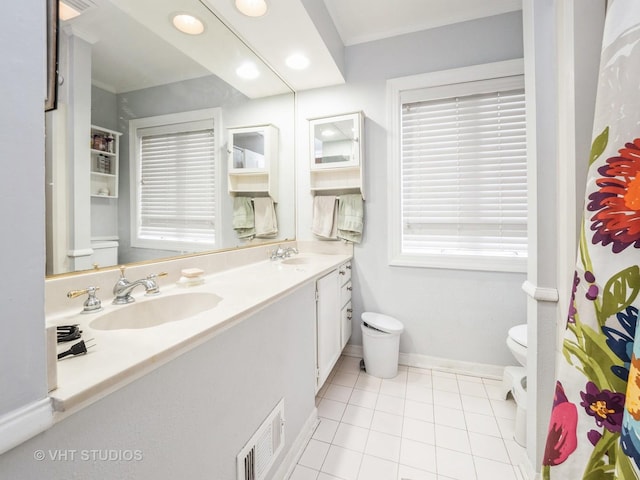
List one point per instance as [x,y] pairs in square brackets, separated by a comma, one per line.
[281,253]
[123,287]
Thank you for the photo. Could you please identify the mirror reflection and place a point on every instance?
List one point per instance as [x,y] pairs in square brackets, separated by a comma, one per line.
[334,141]
[136,153]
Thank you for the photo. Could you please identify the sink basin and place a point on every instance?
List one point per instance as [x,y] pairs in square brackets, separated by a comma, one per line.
[156,311]
[296,261]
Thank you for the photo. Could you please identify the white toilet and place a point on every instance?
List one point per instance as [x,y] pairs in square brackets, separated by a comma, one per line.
[514,380]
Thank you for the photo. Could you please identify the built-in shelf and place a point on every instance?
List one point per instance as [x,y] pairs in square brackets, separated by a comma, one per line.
[105,148]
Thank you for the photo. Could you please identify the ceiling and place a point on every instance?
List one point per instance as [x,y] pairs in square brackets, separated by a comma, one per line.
[145,50]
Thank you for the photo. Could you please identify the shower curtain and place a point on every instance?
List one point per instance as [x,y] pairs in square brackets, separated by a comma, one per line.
[594,430]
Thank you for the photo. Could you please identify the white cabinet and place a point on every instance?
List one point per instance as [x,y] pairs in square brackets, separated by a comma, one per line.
[346,312]
[333,319]
[336,154]
[253,161]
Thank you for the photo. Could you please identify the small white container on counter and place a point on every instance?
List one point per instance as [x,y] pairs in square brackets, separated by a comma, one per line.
[191,277]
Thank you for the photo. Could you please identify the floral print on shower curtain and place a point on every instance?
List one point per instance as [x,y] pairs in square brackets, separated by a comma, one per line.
[594,430]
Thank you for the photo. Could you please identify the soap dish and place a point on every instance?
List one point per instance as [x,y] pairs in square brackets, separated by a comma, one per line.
[191,277]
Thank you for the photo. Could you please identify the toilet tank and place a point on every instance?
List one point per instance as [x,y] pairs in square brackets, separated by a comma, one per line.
[105,252]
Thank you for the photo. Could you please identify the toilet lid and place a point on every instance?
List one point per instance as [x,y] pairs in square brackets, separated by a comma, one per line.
[519,334]
[382,322]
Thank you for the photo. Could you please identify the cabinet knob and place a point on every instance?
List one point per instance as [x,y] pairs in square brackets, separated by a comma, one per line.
[348,267]
[349,288]
[349,317]
[341,272]
[349,310]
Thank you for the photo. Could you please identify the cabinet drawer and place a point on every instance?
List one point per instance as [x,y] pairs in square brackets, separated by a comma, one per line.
[346,323]
[345,293]
[345,272]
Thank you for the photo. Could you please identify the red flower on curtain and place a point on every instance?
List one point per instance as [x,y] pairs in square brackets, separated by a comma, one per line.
[617,202]
[561,439]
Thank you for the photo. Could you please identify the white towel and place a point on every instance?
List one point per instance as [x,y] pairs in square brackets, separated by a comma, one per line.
[324,222]
[266,223]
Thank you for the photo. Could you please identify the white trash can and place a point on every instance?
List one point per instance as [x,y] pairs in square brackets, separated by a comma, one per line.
[381,344]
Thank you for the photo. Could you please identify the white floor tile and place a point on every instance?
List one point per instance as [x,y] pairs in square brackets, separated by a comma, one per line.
[387,423]
[472,388]
[447,399]
[394,388]
[331,409]
[303,473]
[338,393]
[326,476]
[358,416]
[450,417]
[446,384]
[314,454]
[373,468]
[342,463]
[410,473]
[420,425]
[504,408]
[351,437]
[363,398]
[485,446]
[350,364]
[419,393]
[491,470]
[369,383]
[325,430]
[473,404]
[485,424]
[419,410]
[452,438]
[389,404]
[455,465]
[507,427]
[345,378]
[383,445]
[419,430]
[418,455]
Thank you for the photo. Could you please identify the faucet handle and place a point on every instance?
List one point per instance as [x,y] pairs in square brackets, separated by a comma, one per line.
[152,276]
[122,269]
[92,304]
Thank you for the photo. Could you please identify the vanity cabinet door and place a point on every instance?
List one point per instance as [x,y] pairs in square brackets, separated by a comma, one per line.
[328,325]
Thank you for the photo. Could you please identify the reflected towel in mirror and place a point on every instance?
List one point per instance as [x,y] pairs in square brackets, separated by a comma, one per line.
[266,223]
[324,222]
[243,217]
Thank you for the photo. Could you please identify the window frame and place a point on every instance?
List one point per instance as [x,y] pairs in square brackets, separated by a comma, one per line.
[445,79]
[168,120]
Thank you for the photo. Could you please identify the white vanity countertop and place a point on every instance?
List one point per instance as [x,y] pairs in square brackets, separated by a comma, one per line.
[120,356]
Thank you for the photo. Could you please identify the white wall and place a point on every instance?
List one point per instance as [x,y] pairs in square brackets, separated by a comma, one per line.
[191,416]
[455,314]
[22,208]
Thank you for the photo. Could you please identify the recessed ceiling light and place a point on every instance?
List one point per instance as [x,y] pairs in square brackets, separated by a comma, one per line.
[66,12]
[328,133]
[248,70]
[297,61]
[188,24]
[252,8]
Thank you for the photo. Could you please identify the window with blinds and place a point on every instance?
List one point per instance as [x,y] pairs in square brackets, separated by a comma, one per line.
[463,172]
[176,191]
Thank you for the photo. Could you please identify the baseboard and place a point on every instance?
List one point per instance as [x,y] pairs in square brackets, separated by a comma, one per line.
[20,425]
[290,460]
[436,363]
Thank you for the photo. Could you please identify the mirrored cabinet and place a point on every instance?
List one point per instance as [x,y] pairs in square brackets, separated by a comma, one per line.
[253,160]
[336,153]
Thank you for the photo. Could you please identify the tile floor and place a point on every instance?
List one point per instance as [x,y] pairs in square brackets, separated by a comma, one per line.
[420,425]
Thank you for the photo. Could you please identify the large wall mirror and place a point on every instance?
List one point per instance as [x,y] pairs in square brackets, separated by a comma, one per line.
[142,104]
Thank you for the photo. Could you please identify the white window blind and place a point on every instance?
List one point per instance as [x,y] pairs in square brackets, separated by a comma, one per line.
[177,191]
[463,171]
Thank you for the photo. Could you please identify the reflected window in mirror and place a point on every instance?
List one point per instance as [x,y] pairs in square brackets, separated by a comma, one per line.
[176,171]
